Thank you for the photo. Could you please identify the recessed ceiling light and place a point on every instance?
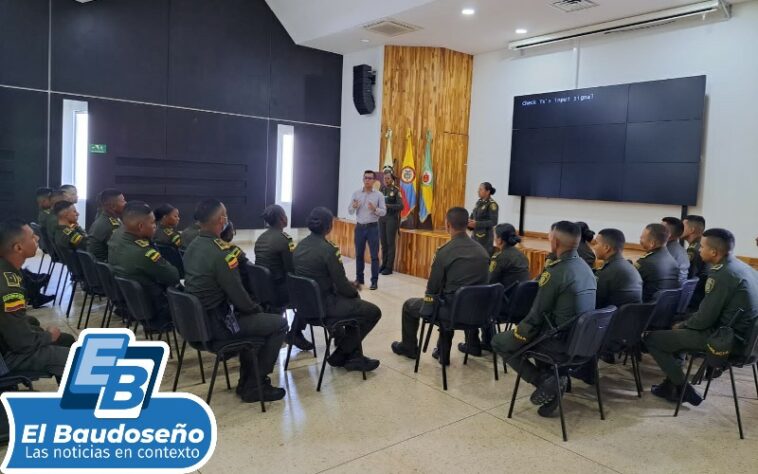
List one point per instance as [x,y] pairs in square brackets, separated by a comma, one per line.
[364,40]
[468,11]
[521,31]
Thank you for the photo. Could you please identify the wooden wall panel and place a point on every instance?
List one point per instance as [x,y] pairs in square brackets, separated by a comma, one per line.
[429,89]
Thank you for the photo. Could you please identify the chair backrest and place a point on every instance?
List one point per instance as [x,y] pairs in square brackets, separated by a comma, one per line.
[71,261]
[666,305]
[92,277]
[627,326]
[42,237]
[688,289]
[305,298]
[110,287]
[189,316]
[476,305]
[172,256]
[588,333]
[4,370]
[262,284]
[140,307]
[521,301]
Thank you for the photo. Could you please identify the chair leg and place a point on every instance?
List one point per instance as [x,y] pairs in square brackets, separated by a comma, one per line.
[494,365]
[637,383]
[81,311]
[465,354]
[71,300]
[105,313]
[313,340]
[213,380]
[707,387]
[226,373]
[176,340]
[58,285]
[289,352]
[597,389]
[323,364]
[513,397]
[200,363]
[686,381]
[755,377]
[736,403]
[257,375]
[89,310]
[40,263]
[418,349]
[444,370]
[560,401]
[360,350]
[179,365]
[428,336]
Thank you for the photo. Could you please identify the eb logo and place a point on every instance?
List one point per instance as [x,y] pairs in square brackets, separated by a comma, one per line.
[112,377]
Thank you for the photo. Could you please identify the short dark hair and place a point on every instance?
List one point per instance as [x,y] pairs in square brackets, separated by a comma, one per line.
[586,234]
[659,232]
[272,214]
[320,220]
[135,210]
[10,230]
[676,225]
[457,217]
[698,221]
[613,237]
[206,209]
[44,192]
[371,172]
[507,234]
[490,189]
[163,210]
[108,195]
[568,228]
[57,193]
[61,206]
[68,187]
[721,239]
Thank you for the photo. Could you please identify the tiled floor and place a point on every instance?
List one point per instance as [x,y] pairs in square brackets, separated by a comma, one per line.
[398,421]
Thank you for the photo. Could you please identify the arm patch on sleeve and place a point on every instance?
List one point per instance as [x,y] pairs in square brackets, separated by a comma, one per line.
[153,255]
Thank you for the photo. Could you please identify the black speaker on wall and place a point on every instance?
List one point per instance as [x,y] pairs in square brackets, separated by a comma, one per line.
[363,94]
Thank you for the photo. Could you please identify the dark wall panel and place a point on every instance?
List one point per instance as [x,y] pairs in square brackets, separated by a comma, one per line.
[114,48]
[306,84]
[220,55]
[23,146]
[23,43]
[314,181]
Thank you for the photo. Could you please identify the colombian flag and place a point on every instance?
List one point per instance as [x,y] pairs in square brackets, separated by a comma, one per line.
[426,203]
[408,179]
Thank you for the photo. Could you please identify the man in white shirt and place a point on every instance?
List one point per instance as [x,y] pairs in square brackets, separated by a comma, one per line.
[368,206]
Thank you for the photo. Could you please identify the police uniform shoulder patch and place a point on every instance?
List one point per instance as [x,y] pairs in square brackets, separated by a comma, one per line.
[493,206]
[13,302]
[493,264]
[709,284]
[12,279]
[544,278]
[142,243]
[76,238]
[153,255]
[176,239]
[231,260]
[67,230]
[114,222]
[222,244]
[168,231]
[551,263]
[236,251]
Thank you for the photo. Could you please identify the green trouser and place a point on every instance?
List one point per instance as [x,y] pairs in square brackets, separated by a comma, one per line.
[388,228]
[506,344]
[665,345]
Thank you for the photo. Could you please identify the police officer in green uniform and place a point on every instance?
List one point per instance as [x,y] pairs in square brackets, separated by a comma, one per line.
[51,223]
[676,229]
[732,287]
[460,262]
[43,204]
[658,269]
[319,259]
[389,223]
[69,237]
[694,226]
[112,204]
[508,265]
[212,275]
[273,250]
[133,256]
[25,346]
[484,217]
[567,289]
[167,218]
[189,234]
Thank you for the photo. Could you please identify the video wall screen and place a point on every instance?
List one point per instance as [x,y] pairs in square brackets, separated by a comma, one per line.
[638,142]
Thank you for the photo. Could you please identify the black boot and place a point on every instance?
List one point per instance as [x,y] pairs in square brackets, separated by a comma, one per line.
[666,390]
[270,393]
[297,339]
[474,350]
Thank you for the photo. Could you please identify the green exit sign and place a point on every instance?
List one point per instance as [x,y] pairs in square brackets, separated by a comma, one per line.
[98,148]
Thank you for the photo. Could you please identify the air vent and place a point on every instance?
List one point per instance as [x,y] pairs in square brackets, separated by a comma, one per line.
[390,27]
[570,6]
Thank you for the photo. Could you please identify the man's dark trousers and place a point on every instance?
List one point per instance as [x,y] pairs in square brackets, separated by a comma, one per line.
[367,233]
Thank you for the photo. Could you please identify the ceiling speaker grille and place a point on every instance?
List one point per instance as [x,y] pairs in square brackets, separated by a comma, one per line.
[390,27]
[570,6]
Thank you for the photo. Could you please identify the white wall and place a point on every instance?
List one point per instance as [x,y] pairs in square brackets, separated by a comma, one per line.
[727,52]
[360,134]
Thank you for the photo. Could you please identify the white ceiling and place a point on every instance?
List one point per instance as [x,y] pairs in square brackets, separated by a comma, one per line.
[336,25]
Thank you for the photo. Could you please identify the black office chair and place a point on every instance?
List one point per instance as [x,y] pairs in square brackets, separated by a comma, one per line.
[111,290]
[10,378]
[141,309]
[172,256]
[74,268]
[262,283]
[625,335]
[190,320]
[306,300]
[688,289]
[518,305]
[472,308]
[747,357]
[42,243]
[666,305]
[94,286]
[584,341]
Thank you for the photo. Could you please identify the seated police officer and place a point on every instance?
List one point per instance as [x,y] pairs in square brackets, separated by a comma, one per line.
[731,299]
[273,250]
[167,218]
[68,237]
[133,256]
[566,289]
[319,259]
[111,204]
[460,262]
[25,346]
[658,269]
[508,265]
[694,226]
[212,275]
[676,230]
